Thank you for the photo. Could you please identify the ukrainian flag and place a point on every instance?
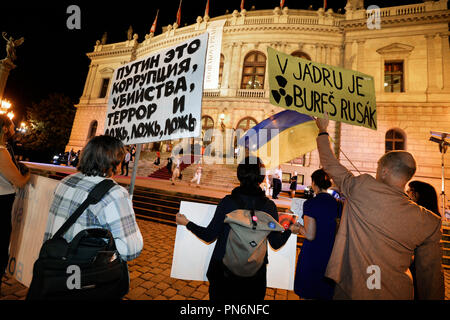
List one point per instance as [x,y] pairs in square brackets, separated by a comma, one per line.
[280,138]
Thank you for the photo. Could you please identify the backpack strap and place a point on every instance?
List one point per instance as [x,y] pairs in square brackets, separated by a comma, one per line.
[93,197]
[241,204]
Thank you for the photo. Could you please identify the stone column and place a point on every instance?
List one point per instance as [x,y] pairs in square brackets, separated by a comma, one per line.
[229,63]
[445,61]
[237,67]
[6,65]
[431,63]
[92,81]
[360,52]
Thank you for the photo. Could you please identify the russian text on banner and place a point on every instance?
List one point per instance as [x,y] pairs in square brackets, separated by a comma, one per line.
[159,97]
[315,88]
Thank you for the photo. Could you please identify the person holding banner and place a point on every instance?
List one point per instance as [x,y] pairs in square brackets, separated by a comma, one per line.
[11,178]
[224,284]
[380,230]
[319,216]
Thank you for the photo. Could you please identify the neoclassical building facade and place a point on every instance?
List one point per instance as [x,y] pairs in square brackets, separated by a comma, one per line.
[406,50]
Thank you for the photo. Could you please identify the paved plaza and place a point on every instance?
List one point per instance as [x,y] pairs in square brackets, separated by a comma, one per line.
[150,273]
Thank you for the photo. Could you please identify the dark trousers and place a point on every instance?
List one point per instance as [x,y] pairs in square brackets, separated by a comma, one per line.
[276,188]
[124,166]
[6,202]
[224,285]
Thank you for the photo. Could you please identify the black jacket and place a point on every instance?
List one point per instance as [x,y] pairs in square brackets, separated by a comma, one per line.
[219,230]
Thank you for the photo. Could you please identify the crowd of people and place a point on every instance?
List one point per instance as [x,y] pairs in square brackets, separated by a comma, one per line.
[381,228]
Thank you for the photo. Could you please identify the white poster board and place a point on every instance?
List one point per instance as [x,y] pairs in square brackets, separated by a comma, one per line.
[191,255]
[159,97]
[29,222]
[212,69]
[297,208]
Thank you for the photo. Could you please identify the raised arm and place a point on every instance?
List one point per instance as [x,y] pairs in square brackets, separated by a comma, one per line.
[341,176]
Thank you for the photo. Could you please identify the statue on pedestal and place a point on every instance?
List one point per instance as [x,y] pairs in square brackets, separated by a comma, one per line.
[11,45]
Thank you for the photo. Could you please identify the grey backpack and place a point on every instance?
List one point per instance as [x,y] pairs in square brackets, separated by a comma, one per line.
[247,240]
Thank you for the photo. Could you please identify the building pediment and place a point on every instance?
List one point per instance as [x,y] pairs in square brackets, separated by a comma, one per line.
[106,70]
[396,48]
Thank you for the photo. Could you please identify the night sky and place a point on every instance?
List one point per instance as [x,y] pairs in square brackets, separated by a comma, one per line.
[53,58]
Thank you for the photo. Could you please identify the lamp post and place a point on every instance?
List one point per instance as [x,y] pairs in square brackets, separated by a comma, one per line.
[5,107]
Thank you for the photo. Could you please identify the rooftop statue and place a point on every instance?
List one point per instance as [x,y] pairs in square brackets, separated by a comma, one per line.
[11,45]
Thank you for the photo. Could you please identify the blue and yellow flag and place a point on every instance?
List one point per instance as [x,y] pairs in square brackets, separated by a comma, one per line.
[281,137]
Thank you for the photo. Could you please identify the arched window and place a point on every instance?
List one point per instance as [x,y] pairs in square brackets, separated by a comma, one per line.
[222,58]
[92,129]
[394,140]
[207,123]
[246,123]
[254,71]
[301,54]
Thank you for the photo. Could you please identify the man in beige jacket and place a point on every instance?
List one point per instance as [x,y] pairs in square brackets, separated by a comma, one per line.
[380,231]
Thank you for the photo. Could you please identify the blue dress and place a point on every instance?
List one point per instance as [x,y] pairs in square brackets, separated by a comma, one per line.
[310,282]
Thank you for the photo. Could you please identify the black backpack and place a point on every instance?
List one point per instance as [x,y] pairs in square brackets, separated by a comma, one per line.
[87,268]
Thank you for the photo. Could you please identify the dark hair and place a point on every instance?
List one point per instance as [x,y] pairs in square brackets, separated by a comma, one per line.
[426,195]
[251,172]
[321,179]
[101,156]
[5,121]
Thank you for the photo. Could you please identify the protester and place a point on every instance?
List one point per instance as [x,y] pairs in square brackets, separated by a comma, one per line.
[424,195]
[379,231]
[100,160]
[10,179]
[319,216]
[277,175]
[293,186]
[223,284]
[125,163]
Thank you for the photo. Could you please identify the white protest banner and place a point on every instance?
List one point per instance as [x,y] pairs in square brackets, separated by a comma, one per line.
[191,255]
[159,97]
[281,267]
[212,69]
[29,222]
[297,208]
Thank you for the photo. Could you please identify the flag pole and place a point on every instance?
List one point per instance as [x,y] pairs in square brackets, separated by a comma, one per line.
[135,166]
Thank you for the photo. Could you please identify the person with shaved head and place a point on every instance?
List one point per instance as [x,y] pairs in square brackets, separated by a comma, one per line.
[381,229]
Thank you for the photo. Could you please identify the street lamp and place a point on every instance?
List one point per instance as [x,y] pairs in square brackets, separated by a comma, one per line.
[5,108]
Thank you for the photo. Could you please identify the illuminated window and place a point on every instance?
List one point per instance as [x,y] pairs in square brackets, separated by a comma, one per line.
[254,71]
[246,123]
[104,88]
[207,123]
[393,77]
[222,58]
[395,140]
[301,54]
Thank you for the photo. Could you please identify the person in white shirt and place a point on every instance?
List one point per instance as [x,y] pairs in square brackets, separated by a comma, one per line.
[197,175]
[277,182]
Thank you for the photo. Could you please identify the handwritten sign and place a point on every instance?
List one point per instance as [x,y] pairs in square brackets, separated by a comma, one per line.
[159,97]
[315,88]
[29,221]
